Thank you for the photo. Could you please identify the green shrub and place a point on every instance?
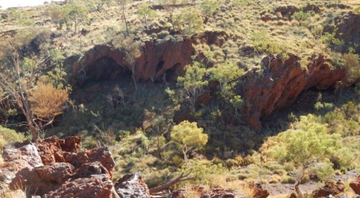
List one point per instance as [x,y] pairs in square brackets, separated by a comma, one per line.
[357,10]
[8,136]
[300,16]
[324,171]
[163,34]
[203,171]
[288,180]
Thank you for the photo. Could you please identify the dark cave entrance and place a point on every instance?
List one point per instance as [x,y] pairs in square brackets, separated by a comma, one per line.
[173,73]
[305,104]
[106,69]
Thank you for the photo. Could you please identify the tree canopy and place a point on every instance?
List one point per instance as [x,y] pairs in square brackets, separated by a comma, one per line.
[189,136]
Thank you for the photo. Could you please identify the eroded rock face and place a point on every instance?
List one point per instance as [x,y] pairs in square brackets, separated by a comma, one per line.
[281,84]
[347,28]
[132,186]
[169,57]
[355,185]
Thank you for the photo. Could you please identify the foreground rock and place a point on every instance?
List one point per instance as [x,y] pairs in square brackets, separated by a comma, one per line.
[55,168]
[25,157]
[330,188]
[355,185]
[132,186]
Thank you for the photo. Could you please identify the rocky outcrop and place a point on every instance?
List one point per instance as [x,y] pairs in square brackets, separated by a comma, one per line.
[157,60]
[18,159]
[355,185]
[257,190]
[348,29]
[281,83]
[330,188]
[55,168]
[169,57]
[132,186]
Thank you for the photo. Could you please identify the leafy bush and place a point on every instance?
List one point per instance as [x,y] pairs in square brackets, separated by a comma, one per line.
[208,7]
[203,171]
[357,10]
[8,136]
[300,16]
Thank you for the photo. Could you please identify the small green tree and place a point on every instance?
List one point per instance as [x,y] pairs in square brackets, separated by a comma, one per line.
[189,136]
[300,16]
[352,66]
[78,13]
[123,5]
[227,75]
[189,20]
[192,83]
[145,12]
[57,13]
[309,143]
[208,7]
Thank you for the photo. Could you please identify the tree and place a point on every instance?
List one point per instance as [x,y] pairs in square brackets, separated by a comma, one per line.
[145,12]
[208,7]
[131,49]
[170,9]
[189,136]
[352,66]
[193,83]
[47,102]
[226,75]
[159,127]
[300,16]
[21,70]
[78,13]
[57,13]
[16,79]
[123,4]
[305,146]
[189,20]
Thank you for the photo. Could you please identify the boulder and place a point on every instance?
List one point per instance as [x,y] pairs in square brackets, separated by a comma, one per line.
[95,186]
[258,191]
[16,159]
[132,186]
[330,188]
[355,185]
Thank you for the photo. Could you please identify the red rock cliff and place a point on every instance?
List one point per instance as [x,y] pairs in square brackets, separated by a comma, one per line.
[282,82]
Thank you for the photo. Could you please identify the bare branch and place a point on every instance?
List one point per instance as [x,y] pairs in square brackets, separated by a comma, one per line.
[167,185]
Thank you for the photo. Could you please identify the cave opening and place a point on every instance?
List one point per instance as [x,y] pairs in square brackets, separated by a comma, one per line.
[173,73]
[305,103]
[107,69]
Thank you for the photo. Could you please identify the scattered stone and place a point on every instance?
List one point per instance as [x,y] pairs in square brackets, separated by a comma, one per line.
[330,188]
